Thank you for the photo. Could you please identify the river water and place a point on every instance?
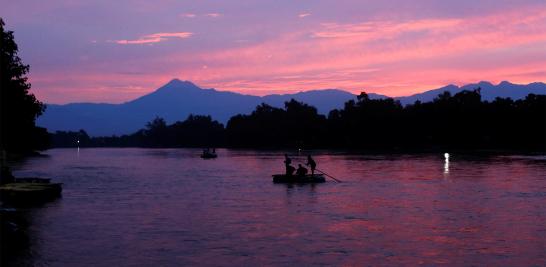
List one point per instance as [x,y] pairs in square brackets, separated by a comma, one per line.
[168,207]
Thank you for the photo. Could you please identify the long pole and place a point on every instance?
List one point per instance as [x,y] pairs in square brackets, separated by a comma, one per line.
[328,175]
[337,180]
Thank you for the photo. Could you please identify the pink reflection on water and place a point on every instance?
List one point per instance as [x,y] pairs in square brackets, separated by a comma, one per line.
[169,207]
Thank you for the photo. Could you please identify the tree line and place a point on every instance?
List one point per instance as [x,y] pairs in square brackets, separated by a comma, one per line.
[460,122]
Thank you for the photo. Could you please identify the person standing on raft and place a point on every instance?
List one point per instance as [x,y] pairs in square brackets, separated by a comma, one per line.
[311,163]
[289,169]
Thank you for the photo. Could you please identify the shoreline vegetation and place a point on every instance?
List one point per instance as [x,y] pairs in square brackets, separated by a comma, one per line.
[460,122]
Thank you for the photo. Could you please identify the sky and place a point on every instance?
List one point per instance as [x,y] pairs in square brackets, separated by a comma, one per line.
[115,51]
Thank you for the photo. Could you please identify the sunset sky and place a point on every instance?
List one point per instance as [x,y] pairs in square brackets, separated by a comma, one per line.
[114,51]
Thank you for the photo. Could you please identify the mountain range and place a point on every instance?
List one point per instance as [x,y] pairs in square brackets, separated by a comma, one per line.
[177,99]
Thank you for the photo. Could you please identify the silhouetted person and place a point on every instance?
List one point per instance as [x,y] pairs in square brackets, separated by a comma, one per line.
[214,151]
[289,169]
[311,163]
[302,171]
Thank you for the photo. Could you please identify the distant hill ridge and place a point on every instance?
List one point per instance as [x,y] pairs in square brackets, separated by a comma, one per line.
[489,91]
[177,99]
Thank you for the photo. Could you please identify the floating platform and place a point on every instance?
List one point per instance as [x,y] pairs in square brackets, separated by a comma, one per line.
[33,180]
[30,190]
[295,179]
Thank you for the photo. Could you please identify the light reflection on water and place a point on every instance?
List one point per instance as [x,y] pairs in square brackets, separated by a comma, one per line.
[168,207]
[446,166]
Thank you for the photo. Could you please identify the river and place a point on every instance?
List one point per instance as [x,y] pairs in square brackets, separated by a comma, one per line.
[168,207]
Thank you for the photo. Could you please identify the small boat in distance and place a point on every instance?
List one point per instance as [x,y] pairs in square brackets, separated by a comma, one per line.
[297,179]
[207,154]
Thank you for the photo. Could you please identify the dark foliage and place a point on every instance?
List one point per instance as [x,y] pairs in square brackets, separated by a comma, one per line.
[195,131]
[364,123]
[297,125]
[18,107]
[70,139]
[459,122]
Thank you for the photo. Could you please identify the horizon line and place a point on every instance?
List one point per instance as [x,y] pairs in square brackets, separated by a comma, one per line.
[458,85]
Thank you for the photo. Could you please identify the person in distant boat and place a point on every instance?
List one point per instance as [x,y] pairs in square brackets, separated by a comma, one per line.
[289,169]
[302,171]
[214,151]
[311,163]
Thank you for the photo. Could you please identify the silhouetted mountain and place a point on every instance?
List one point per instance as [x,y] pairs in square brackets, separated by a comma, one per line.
[489,91]
[177,99]
[174,101]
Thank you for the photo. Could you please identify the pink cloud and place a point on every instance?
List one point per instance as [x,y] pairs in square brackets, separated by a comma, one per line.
[421,53]
[188,15]
[383,29]
[155,38]
[392,57]
[213,15]
[303,15]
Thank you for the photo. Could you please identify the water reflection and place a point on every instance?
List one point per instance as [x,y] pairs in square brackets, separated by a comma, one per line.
[170,208]
[446,164]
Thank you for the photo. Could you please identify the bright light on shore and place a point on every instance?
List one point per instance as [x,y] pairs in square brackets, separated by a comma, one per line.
[446,155]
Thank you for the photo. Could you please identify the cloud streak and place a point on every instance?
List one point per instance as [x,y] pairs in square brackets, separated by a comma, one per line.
[155,38]
[383,29]
[188,15]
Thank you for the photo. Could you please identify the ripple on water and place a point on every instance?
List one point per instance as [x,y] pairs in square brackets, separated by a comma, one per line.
[168,207]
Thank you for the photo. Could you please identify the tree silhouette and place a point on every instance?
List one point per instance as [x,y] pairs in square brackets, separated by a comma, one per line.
[453,122]
[71,139]
[195,131]
[18,107]
[297,125]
